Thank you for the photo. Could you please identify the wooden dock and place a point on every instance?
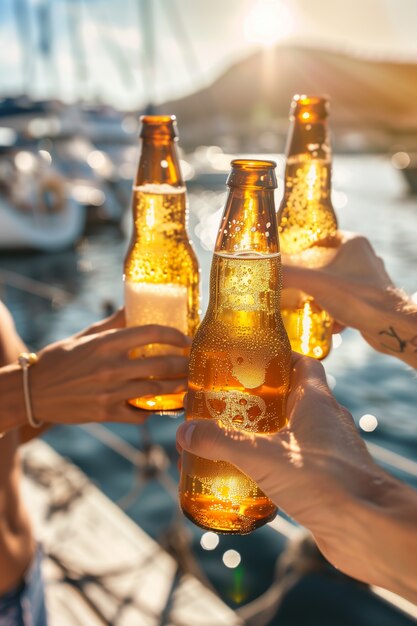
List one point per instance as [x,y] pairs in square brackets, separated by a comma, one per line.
[100,567]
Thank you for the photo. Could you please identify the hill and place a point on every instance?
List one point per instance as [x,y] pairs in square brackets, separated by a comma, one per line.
[373,102]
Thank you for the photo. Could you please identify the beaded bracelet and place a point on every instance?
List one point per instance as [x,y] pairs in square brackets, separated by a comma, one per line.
[26,359]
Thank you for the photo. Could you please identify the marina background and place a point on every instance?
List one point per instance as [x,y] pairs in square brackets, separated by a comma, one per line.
[75,109]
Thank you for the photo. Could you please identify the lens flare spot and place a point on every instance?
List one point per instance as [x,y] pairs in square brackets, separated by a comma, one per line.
[209,541]
[368,422]
[231,558]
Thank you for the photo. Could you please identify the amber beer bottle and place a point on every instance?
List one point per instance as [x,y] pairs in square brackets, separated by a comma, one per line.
[240,358]
[161,272]
[307,223]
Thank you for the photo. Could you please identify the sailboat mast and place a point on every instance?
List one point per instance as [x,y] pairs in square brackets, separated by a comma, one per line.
[148,33]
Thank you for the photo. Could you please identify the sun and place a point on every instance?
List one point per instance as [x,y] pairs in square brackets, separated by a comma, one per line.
[268,22]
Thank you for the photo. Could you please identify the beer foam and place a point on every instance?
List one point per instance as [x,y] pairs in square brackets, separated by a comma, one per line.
[164,304]
[163,189]
[249,255]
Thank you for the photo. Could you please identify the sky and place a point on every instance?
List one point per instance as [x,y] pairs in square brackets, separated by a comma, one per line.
[129,52]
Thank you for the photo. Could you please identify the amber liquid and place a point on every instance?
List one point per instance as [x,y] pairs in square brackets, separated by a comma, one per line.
[161,277]
[307,228]
[239,374]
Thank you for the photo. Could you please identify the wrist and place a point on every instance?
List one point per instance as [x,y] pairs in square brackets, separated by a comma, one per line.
[12,406]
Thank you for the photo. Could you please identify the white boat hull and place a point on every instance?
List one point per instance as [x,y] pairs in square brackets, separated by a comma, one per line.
[47,232]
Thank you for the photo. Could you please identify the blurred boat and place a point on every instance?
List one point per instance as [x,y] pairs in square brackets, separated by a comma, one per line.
[37,209]
[37,231]
[93,148]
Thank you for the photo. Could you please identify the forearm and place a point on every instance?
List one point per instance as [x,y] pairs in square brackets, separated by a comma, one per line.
[394,329]
[375,538]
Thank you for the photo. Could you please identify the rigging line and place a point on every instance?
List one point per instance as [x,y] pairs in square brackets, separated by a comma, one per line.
[147,29]
[184,41]
[24,32]
[110,45]
[35,287]
[405,606]
[56,295]
[128,452]
[116,443]
[74,21]
[190,57]
[393,459]
[46,44]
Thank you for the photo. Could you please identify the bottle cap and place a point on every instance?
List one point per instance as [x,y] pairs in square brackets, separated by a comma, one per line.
[309,109]
[158,126]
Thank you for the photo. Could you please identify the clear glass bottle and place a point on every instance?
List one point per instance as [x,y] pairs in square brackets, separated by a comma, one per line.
[161,271]
[241,357]
[307,223]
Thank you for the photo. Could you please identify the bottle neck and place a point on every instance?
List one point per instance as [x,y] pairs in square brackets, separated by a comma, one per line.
[249,223]
[159,203]
[159,163]
[311,139]
[309,163]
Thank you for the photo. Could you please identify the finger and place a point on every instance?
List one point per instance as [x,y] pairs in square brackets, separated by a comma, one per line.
[128,338]
[338,328]
[149,388]
[157,367]
[306,370]
[211,440]
[117,320]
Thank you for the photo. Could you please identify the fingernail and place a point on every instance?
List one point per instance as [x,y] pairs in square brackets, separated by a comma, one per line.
[187,433]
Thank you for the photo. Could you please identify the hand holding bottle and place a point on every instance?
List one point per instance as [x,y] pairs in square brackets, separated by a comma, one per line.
[318,470]
[89,377]
[356,290]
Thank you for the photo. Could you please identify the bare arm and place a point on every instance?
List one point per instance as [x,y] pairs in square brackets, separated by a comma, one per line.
[356,290]
[319,472]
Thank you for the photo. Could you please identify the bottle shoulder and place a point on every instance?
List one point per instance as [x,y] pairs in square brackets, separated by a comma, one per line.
[160,261]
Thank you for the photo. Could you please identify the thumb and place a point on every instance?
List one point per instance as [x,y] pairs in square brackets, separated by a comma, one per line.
[252,454]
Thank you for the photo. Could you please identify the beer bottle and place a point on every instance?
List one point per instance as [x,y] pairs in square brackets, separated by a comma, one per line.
[240,358]
[161,272]
[307,223]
